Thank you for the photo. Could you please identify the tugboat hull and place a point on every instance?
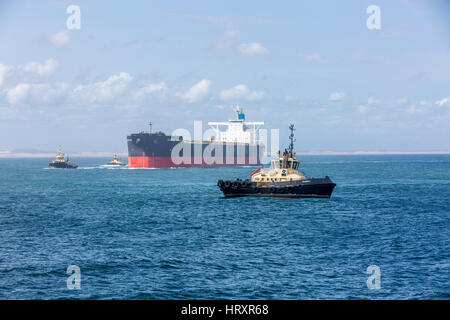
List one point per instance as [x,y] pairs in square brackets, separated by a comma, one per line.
[63,165]
[311,188]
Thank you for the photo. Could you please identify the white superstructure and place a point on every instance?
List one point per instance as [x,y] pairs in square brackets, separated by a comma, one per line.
[237,130]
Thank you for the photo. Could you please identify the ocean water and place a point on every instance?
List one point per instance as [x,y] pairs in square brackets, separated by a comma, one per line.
[169,233]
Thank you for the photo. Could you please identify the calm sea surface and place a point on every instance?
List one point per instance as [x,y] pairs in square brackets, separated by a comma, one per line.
[169,233]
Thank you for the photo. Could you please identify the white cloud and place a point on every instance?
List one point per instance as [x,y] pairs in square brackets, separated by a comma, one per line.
[240,92]
[18,93]
[37,93]
[103,91]
[60,38]
[443,102]
[198,92]
[315,57]
[42,69]
[229,43]
[237,92]
[372,100]
[336,96]
[3,71]
[154,89]
[253,48]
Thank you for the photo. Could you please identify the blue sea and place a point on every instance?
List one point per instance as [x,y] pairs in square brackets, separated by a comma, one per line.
[169,233]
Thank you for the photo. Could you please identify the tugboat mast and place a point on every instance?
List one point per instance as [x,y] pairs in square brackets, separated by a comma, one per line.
[150,124]
[291,137]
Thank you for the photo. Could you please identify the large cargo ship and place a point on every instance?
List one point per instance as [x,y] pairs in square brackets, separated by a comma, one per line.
[235,143]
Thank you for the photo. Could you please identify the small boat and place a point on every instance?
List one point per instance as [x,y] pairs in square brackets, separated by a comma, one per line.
[283,180]
[115,162]
[62,163]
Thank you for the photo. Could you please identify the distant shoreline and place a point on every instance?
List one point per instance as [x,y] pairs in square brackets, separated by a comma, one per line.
[358,153]
[7,154]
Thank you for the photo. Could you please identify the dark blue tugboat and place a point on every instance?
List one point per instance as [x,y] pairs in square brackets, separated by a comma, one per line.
[283,180]
[61,163]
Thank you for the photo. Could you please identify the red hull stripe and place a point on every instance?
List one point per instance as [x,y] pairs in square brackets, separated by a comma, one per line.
[166,162]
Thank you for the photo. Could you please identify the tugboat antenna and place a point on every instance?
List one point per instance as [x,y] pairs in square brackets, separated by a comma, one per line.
[291,137]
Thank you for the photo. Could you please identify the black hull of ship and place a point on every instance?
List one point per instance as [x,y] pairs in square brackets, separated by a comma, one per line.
[62,166]
[311,188]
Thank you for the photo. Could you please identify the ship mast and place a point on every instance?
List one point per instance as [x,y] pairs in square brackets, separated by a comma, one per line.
[150,124]
[291,137]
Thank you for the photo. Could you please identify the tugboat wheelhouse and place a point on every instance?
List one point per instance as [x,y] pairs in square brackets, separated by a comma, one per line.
[283,179]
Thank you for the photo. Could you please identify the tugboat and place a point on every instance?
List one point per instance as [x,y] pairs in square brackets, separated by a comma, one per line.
[62,163]
[116,162]
[283,180]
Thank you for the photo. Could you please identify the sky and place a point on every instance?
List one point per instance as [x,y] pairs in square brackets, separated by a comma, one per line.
[312,63]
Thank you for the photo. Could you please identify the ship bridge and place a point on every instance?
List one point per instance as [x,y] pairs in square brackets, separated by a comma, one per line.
[237,130]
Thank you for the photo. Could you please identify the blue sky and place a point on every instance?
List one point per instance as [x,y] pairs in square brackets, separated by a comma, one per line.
[313,63]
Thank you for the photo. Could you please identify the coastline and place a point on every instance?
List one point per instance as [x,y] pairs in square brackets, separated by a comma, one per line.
[6,154]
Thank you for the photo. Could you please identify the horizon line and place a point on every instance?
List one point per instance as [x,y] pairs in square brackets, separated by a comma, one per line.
[88,154]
